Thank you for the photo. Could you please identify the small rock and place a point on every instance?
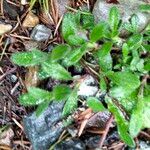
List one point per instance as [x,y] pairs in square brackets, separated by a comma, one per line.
[29,45]
[50,48]
[113,137]
[98,120]
[127,8]
[71,144]
[88,87]
[61,6]
[92,142]
[13,78]
[44,130]
[31,20]
[24,2]
[10,10]
[6,137]
[72,131]
[41,33]
[4,28]
[144,145]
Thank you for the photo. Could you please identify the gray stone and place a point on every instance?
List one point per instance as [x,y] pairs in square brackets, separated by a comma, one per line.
[88,87]
[41,33]
[44,130]
[127,8]
[13,78]
[144,145]
[61,6]
[92,142]
[99,120]
[10,10]
[29,45]
[71,144]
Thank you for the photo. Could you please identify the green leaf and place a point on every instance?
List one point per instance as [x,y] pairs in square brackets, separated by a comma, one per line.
[137,64]
[76,40]
[70,24]
[41,108]
[125,52]
[104,57]
[147,65]
[59,52]
[34,57]
[135,41]
[133,25]
[61,92]
[114,19]
[75,55]
[87,21]
[122,123]
[125,136]
[71,103]
[144,7]
[55,71]
[98,32]
[103,85]
[35,96]
[95,104]
[146,113]
[126,81]
[136,121]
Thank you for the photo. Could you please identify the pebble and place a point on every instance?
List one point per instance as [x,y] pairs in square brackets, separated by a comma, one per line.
[10,10]
[127,8]
[71,144]
[44,130]
[6,136]
[41,33]
[29,45]
[61,5]
[4,28]
[88,87]
[31,20]
[13,78]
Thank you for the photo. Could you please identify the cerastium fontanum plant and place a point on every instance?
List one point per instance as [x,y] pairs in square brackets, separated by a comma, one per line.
[123,70]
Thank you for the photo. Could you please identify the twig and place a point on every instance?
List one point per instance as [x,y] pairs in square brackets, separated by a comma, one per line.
[106,132]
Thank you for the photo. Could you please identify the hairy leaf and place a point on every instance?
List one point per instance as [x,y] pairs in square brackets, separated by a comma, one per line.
[136,121]
[41,108]
[35,96]
[87,21]
[95,104]
[104,57]
[114,19]
[144,7]
[60,52]
[125,52]
[55,71]
[34,57]
[71,103]
[75,55]
[76,40]
[61,92]
[135,41]
[126,81]
[122,123]
[98,32]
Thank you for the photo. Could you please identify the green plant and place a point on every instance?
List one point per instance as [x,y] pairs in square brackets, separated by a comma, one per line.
[122,74]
